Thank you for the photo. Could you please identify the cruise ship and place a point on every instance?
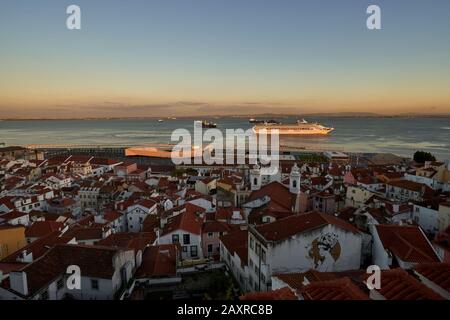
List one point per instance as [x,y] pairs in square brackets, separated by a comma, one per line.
[300,128]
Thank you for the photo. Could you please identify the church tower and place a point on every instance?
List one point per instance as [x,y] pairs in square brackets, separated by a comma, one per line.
[255,178]
[294,180]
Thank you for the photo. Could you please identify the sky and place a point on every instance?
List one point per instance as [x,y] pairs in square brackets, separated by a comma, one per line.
[184,57]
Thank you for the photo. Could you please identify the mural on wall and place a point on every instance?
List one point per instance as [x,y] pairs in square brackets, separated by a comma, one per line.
[324,251]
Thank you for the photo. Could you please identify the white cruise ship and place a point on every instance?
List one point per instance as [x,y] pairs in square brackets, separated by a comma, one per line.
[300,128]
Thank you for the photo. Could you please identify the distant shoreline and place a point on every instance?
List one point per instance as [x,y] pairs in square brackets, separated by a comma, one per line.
[331,115]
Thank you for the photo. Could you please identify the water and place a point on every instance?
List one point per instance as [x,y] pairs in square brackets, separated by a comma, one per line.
[401,136]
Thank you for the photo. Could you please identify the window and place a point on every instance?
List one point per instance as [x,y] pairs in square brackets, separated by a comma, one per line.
[258,249]
[250,263]
[60,284]
[94,284]
[185,248]
[210,234]
[252,243]
[186,238]
[263,255]
[210,248]
[194,251]
[175,238]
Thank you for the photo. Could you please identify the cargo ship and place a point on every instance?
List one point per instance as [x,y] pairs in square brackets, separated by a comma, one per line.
[206,124]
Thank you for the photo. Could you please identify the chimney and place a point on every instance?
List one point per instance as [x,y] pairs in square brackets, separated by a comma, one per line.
[18,282]
[157,235]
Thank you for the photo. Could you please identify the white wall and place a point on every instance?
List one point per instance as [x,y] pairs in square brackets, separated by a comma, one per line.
[195,240]
[427,218]
[292,254]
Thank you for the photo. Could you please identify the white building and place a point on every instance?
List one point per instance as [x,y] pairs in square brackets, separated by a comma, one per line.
[184,229]
[49,278]
[137,213]
[234,253]
[301,242]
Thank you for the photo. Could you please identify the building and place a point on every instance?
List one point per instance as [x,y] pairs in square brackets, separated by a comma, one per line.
[211,232]
[404,190]
[136,214]
[185,229]
[301,242]
[104,272]
[12,238]
[234,252]
[401,246]
[159,265]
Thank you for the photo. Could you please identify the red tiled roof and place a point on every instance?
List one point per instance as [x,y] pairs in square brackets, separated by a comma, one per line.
[128,240]
[159,261]
[215,226]
[38,247]
[407,242]
[279,294]
[103,161]
[112,215]
[6,267]
[298,280]
[236,242]
[286,227]
[80,233]
[147,203]
[409,185]
[13,215]
[94,261]
[439,273]
[338,289]
[397,284]
[224,213]
[150,223]
[42,228]
[186,221]
[319,181]
[277,192]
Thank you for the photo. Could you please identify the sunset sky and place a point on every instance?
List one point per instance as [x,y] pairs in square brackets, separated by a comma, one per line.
[184,57]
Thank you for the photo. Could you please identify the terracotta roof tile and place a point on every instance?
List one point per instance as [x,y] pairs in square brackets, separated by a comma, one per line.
[277,192]
[159,261]
[397,284]
[187,221]
[292,225]
[42,228]
[279,294]
[407,242]
[439,273]
[338,289]
[236,242]
[94,261]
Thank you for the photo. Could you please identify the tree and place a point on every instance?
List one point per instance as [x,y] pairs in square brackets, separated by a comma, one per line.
[422,156]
